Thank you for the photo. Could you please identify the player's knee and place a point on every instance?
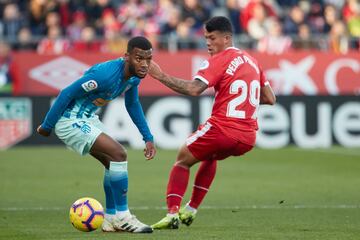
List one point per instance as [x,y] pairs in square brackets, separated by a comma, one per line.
[119,155]
[183,163]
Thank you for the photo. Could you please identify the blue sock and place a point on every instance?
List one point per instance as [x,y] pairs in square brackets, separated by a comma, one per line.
[109,197]
[119,184]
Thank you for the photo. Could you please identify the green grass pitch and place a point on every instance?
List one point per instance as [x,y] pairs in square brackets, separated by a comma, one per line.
[268,194]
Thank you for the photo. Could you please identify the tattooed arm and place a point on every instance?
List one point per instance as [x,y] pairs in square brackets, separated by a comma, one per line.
[191,88]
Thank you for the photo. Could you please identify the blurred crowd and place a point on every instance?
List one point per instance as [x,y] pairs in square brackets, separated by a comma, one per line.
[273,26]
[269,26]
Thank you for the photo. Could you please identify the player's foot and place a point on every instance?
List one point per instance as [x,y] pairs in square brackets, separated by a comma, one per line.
[107,225]
[168,222]
[131,224]
[186,216]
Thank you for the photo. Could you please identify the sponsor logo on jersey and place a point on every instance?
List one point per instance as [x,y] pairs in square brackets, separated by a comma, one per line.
[89,85]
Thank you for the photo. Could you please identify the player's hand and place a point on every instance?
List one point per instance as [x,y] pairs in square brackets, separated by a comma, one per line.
[155,70]
[42,131]
[149,151]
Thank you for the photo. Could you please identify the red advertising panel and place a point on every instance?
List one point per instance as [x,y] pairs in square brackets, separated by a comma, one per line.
[15,120]
[295,73]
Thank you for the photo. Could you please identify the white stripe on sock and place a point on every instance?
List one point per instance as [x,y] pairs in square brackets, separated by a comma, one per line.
[205,189]
[175,195]
[118,166]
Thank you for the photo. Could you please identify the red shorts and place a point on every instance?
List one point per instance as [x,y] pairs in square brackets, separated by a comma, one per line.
[209,143]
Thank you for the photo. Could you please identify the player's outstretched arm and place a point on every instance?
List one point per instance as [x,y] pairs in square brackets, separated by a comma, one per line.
[187,87]
[267,95]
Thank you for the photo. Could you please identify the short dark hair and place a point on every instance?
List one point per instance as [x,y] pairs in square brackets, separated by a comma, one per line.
[219,23]
[138,42]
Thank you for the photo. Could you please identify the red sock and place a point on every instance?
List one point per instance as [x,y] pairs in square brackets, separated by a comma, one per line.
[204,177]
[178,181]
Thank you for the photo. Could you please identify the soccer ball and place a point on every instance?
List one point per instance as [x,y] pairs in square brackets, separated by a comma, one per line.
[86,214]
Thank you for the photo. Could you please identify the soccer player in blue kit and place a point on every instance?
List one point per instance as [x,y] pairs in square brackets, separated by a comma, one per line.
[76,124]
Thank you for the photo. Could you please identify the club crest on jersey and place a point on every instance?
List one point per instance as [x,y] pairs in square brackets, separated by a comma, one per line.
[89,85]
[204,65]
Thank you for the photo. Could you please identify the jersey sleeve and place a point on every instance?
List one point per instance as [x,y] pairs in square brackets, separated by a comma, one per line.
[209,72]
[79,88]
[136,113]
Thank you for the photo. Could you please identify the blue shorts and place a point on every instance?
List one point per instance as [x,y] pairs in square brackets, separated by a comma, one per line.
[79,134]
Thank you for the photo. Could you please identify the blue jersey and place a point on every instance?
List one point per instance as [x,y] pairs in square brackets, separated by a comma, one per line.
[100,84]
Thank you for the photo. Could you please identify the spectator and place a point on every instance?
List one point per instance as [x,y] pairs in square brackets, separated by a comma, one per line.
[287,3]
[63,7]
[331,15]
[275,42]
[194,14]
[259,24]
[52,19]
[12,22]
[95,9]
[25,40]
[183,36]
[233,9]
[148,29]
[247,12]
[350,9]
[338,38]
[294,20]
[109,23]
[114,43]
[353,25]
[39,10]
[338,4]
[73,31]
[165,11]
[171,22]
[305,40]
[315,16]
[7,69]
[54,43]
[87,41]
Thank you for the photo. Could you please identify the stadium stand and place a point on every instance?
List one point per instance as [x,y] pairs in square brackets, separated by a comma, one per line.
[57,26]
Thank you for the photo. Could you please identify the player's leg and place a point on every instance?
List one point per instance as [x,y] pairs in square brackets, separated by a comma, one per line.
[110,208]
[177,184]
[208,144]
[206,174]
[87,136]
[203,179]
[179,178]
[109,198]
[113,155]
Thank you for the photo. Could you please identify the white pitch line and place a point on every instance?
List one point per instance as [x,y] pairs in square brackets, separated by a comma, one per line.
[283,206]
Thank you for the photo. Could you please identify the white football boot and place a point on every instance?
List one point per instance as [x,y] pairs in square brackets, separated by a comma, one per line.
[130,224]
[107,225]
